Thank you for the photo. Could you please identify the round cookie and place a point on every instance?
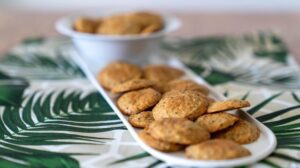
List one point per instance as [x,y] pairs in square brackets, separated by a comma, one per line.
[180,104]
[179,131]
[151,29]
[137,101]
[162,74]
[132,85]
[227,105]
[86,25]
[242,132]
[118,72]
[118,25]
[183,84]
[216,149]
[141,120]
[157,144]
[217,121]
[146,19]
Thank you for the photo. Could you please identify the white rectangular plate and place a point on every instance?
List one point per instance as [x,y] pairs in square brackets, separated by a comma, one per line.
[259,149]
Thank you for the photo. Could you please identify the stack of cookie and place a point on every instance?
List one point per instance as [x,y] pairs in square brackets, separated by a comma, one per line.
[177,113]
[123,24]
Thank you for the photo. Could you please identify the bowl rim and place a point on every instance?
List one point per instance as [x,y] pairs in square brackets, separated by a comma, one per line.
[64,26]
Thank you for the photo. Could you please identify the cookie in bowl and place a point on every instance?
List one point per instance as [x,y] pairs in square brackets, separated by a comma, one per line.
[131,23]
[105,36]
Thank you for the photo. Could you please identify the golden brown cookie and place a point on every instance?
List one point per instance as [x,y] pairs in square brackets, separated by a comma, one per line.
[158,144]
[145,19]
[216,149]
[217,121]
[118,72]
[179,131]
[141,120]
[86,25]
[132,85]
[184,84]
[242,132]
[118,25]
[162,74]
[137,101]
[151,29]
[227,105]
[180,104]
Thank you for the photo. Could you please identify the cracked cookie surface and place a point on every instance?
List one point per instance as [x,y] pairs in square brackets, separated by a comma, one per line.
[141,120]
[180,104]
[242,132]
[158,144]
[184,84]
[216,149]
[179,131]
[217,121]
[118,72]
[162,74]
[132,85]
[137,101]
[225,105]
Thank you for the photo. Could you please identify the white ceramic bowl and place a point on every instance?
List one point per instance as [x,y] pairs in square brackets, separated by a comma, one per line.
[106,48]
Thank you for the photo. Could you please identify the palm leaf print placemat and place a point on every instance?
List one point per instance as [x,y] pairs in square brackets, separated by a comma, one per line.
[51,116]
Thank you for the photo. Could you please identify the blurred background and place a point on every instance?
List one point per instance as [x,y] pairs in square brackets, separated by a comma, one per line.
[174,5]
[23,18]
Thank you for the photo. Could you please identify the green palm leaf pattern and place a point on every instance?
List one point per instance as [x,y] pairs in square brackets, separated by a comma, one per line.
[11,90]
[33,40]
[267,44]
[54,118]
[70,112]
[38,161]
[257,59]
[286,131]
[41,59]
[12,155]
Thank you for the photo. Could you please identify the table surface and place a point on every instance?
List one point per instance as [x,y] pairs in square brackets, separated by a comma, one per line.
[16,25]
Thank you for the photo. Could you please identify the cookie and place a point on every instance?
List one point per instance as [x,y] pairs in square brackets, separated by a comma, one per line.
[137,101]
[132,85]
[151,29]
[179,131]
[227,105]
[216,149]
[146,19]
[242,132]
[182,85]
[118,72]
[180,104]
[217,121]
[162,74]
[118,25]
[86,25]
[158,144]
[141,120]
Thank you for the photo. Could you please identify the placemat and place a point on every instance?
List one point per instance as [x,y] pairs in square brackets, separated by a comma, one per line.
[51,116]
